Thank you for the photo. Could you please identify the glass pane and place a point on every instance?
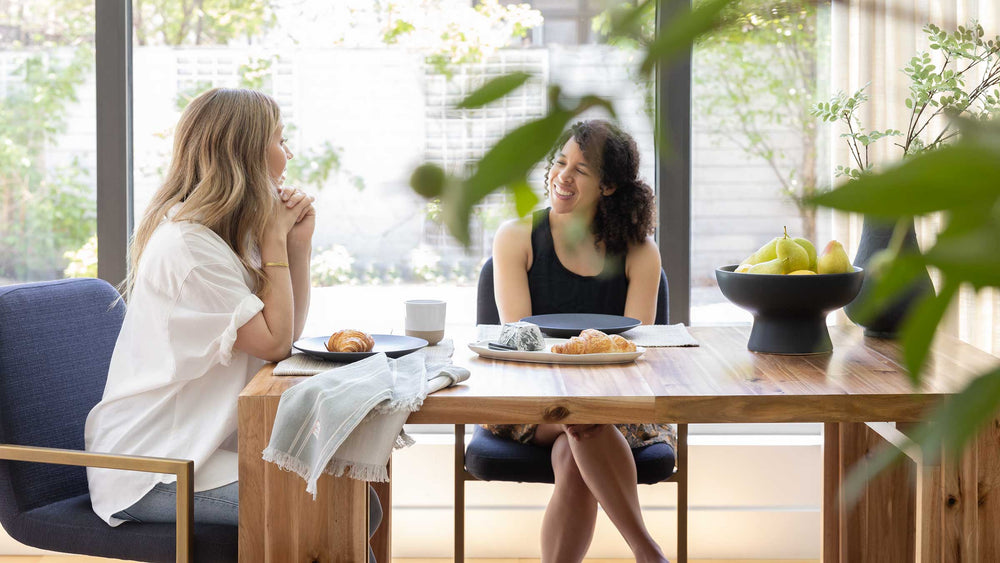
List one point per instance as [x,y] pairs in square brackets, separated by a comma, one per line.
[367,92]
[48,227]
[755,148]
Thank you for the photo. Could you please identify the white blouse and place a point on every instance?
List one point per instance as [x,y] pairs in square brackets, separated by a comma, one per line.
[174,377]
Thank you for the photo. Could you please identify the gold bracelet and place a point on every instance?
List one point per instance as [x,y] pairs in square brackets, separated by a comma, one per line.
[279,264]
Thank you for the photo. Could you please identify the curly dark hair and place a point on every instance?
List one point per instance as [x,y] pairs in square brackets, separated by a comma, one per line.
[626,216]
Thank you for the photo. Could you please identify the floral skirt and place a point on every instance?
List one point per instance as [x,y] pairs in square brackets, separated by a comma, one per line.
[637,435]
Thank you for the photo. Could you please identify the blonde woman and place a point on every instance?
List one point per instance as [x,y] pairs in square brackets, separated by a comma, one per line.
[218,284]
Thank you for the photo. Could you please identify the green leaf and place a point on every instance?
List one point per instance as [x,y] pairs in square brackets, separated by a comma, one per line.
[494,89]
[681,32]
[920,325]
[972,256]
[890,283]
[626,22]
[932,181]
[951,425]
[509,161]
[955,422]
[525,199]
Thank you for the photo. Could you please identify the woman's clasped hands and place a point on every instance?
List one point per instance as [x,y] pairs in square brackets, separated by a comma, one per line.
[296,217]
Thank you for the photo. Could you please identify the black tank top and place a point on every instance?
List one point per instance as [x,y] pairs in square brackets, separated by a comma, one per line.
[554,289]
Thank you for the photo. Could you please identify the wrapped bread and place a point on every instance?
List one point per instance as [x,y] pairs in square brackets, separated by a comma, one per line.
[593,341]
[522,336]
[350,341]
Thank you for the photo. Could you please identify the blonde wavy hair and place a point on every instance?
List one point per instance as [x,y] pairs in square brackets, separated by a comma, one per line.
[219,175]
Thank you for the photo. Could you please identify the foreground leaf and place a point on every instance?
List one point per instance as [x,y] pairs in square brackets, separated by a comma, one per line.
[952,424]
[510,161]
[680,33]
[890,284]
[525,199]
[972,256]
[494,89]
[921,324]
[933,181]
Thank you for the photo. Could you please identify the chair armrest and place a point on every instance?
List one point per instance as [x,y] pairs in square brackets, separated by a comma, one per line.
[182,468]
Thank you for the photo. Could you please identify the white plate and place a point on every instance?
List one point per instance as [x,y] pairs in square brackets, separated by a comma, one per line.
[546,356]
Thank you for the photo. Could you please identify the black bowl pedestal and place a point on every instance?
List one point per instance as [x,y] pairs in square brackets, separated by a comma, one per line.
[789,311]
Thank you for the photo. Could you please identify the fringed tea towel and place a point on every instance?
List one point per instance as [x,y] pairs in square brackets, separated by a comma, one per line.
[346,421]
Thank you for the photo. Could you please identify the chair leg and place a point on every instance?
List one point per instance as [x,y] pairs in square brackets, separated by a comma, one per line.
[682,493]
[459,493]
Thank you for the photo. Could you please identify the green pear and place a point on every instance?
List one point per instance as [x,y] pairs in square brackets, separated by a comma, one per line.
[810,250]
[796,256]
[776,266]
[833,260]
[763,254]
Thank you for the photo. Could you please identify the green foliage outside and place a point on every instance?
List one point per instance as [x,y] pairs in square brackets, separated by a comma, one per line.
[44,210]
[451,34]
[959,181]
[199,22]
[758,72]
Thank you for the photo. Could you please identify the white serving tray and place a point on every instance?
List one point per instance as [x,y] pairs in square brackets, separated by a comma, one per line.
[546,356]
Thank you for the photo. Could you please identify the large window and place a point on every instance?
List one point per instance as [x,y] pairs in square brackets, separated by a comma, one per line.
[47,140]
[367,92]
[756,151]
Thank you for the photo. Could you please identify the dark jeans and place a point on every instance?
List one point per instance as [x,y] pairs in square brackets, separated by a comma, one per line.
[215,506]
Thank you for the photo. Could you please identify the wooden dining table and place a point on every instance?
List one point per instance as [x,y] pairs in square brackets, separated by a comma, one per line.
[928,508]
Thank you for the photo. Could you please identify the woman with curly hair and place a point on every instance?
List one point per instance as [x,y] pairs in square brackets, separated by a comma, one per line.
[589,252]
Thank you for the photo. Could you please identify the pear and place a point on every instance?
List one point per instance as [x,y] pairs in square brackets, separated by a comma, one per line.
[797,257]
[763,254]
[833,260]
[810,250]
[802,273]
[776,266]
[742,268]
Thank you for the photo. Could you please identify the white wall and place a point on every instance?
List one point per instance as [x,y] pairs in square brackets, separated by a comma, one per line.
[747,500]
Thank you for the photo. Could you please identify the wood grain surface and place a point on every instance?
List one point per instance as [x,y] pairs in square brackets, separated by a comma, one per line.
[862,380]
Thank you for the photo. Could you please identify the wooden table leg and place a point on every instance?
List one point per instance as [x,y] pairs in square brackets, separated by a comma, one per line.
[382,540]
[879,527]
[279,521]
[831,493]
[959,502]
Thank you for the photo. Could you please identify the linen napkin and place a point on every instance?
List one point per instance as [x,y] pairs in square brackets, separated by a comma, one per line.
[649,336]
[653,336]
[347,420]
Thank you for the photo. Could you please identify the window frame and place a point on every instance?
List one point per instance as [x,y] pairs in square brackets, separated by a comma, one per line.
[115,217]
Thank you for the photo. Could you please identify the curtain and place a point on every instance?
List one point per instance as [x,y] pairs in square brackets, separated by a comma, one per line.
[871,41]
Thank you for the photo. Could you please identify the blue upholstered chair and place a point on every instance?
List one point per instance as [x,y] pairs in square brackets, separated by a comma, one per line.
[488,458]
[56,340]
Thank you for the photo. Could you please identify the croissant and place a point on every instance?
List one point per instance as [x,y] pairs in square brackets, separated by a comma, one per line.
[622,344]
[592,341]
[350,341]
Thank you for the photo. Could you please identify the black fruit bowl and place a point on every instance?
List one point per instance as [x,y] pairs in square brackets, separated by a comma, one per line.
[789,312]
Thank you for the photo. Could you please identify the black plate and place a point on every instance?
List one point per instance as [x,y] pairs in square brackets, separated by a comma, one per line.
[393,345]
[566,325]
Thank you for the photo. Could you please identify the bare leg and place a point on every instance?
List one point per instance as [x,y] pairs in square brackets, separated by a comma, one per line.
[570,517]
[605,464]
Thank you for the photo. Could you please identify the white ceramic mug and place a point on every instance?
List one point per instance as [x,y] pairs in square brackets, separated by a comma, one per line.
[425,319]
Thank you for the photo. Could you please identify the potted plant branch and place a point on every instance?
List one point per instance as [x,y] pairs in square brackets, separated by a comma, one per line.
[963,82]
